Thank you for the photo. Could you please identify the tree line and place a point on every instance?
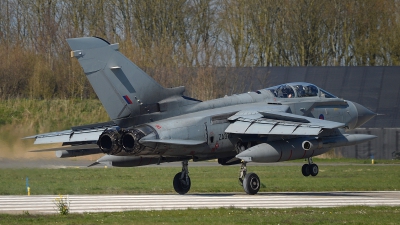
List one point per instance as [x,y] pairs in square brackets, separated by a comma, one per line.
[169,38]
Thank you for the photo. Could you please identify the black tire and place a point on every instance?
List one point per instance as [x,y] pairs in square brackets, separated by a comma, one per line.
[181,186]
[251,183]
[314,170]
[306,170]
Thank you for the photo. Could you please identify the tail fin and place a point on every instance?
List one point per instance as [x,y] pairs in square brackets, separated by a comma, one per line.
[121,86]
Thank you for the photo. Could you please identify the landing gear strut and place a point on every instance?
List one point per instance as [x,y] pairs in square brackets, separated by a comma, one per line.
[250,181]
[310,168]
[243,172]
[182,180]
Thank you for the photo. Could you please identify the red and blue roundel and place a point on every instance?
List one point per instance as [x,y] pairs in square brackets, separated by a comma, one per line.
[127,99]
[321,117]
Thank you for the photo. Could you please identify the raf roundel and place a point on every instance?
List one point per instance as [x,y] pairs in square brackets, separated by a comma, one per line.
[321,117]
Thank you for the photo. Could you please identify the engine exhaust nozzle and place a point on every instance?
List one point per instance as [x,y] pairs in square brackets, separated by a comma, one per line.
[130,141]
[109,142]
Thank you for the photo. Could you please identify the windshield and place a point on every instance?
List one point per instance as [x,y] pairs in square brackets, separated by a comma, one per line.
[299,90]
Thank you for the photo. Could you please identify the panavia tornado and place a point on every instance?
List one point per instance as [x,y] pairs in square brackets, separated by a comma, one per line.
[151,124]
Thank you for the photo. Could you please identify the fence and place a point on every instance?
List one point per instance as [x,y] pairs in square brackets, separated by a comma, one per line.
[385,146]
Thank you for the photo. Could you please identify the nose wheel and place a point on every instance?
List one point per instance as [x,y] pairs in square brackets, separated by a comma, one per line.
[309,169]
[182,180]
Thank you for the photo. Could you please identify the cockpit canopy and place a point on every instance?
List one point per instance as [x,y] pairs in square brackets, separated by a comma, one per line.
[299,90]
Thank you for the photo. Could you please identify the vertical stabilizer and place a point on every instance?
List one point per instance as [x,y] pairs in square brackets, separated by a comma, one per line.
[120,85]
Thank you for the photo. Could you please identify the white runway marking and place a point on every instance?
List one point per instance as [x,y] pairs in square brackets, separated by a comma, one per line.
[112,203]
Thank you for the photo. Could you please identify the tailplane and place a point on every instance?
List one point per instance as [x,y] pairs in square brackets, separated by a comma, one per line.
[122,87]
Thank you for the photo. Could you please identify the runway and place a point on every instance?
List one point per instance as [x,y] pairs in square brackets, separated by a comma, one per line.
[44,204]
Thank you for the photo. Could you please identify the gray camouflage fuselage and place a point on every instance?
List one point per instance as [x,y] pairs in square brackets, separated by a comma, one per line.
[208,121]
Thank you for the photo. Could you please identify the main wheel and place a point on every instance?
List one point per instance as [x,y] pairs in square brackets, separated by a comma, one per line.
[306,170]
[181,186]
[314,170]
[251,183]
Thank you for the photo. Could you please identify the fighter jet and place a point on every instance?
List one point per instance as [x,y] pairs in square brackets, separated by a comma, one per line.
[150,124]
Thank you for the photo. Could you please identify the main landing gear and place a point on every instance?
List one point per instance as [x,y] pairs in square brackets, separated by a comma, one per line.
[182,179]
[310,168]
[250,181]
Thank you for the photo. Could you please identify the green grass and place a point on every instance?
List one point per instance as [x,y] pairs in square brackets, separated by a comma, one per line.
[216,179]
[340,215]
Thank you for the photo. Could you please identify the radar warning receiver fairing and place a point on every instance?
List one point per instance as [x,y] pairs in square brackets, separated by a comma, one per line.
[152,125]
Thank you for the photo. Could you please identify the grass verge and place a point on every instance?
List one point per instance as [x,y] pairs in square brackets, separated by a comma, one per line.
[340,215]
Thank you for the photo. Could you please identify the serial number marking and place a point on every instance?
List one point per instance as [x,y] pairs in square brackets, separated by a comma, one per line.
[223,136]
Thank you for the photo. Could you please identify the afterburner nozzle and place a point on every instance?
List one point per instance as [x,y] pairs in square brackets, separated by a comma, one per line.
[130,141]
[109,142]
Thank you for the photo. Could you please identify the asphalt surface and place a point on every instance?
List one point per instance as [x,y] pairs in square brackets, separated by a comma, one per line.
[44,204]
[45,163]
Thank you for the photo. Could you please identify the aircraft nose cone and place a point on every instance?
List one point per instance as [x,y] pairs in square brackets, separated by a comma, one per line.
[364,114]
